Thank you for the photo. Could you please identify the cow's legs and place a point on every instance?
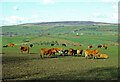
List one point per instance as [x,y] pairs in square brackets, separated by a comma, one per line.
[21,51]
[49,54]
[86,55]
[93,56]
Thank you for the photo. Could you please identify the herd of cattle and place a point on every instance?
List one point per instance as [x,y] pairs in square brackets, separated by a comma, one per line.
[71,51]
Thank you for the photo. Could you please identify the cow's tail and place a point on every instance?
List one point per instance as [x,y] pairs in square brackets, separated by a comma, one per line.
[28,50]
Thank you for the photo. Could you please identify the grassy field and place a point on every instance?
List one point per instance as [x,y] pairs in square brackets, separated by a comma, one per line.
[17,66]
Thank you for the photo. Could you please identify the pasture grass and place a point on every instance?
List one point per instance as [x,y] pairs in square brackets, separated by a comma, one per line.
[17,66]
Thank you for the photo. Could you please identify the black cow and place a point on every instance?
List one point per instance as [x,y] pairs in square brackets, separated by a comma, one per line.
[52,44]
[63,44]
[74,52]
[99,46]
[5,46]
[78,51]
[31,45]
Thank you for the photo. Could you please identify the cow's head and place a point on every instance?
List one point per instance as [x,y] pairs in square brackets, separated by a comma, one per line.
[20,46]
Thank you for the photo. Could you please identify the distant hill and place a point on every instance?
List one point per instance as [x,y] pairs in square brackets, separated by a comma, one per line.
[63,27]
[70,23]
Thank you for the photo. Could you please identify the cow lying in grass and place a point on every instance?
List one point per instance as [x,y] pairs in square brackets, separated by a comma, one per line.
[47,52]
[91,52]
[24,49]
[102,55]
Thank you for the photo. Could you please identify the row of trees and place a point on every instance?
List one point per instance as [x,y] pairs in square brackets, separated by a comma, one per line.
[46,43]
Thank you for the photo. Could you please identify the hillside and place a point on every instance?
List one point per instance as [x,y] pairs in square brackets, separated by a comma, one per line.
[84,34]
[70,23]
[65,27]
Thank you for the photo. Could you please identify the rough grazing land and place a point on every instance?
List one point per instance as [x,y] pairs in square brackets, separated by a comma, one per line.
[17,66]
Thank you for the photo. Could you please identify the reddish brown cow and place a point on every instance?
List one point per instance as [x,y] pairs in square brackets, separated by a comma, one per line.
[79,45]
[24,49]
[89,46]
[57,49]
[104,46]
[71,51]
[11,44]
[47,51]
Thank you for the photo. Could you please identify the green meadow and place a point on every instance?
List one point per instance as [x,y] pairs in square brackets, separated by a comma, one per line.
[17,66]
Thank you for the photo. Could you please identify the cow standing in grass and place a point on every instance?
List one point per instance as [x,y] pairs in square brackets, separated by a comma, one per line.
[5,46]
[64,45]
[79,45]
[57,49]
[104,46]
[47,52]
[31,45]
[52,44]
[99,46]
[91,52]
[24,49]
[65,52]
[77,51]
[11,44]
[71,51]
[89,46]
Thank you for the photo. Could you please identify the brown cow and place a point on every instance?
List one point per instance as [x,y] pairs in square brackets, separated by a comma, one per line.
[24,49]
[104,46]
[79,45]
[71,51]
[57,49]
[91,52]
[89,46]
[74,45]
[102,55]
[11,44]
[47,51]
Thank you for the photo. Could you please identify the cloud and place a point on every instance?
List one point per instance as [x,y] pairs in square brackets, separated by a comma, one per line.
[13,20]
[34,16]
[48,1]
[16,7]
[99,15]
[112,16]
[110,0]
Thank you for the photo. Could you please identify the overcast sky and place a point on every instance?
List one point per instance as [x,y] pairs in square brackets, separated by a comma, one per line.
[28,11]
